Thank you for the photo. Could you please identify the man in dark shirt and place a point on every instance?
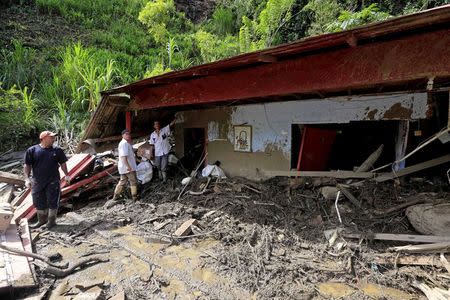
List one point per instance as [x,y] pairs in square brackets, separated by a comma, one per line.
[43,161]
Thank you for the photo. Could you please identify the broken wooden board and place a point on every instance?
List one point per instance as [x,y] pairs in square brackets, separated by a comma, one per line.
[331,174]
[118,296]
[20,198]
[11,165]
[411,260]
[75,166]
[185,228]
[11,178]
[15,271]
[6,194]
[415,168]
[399,237]
[425,248]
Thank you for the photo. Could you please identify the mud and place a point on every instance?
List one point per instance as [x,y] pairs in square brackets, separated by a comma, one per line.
[254,241]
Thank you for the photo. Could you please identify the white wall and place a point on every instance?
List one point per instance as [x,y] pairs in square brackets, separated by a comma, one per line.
[271,123]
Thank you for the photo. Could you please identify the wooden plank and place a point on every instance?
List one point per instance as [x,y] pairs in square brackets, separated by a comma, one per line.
[415,168]
[25,236]
[400,237]
[6,194]
[185,228]
[18,272]
[425,248]
[25,208]
[20,198]
[10,165]
[331,174]
[413,260]
[11,178]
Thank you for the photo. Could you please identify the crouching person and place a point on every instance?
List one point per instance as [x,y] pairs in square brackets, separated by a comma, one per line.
[41,171]
[127,168]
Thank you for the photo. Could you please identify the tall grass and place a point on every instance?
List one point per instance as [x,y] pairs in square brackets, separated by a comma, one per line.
[16,65]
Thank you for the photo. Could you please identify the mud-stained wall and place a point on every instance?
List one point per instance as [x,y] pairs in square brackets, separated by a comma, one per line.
[271,126]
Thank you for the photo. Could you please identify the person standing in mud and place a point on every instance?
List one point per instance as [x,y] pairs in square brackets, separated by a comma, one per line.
[159,139]
[41,169]
[127,167]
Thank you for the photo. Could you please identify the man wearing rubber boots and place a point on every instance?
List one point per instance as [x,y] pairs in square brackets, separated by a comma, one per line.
[160,140]
[127,167]
[41,171]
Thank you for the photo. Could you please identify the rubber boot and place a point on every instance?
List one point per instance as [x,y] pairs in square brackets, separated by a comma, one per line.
[117,192]
[164,176]
[134,192]
[42,219]
[51,218]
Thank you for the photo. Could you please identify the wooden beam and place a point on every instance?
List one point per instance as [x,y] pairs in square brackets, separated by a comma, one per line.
[119,101]
[415,168]
[267,58]
[6,194]
[412,260]
[10,165]
[425,248]
[11,178]
[400,237]
[331,174]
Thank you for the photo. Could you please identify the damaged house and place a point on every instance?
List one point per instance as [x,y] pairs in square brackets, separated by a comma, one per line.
[319,104]
[352,109]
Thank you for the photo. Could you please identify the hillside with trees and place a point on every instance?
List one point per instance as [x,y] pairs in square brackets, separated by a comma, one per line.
[56,56]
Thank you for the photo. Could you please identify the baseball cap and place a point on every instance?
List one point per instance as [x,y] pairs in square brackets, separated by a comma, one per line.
[46,134]
[125,131]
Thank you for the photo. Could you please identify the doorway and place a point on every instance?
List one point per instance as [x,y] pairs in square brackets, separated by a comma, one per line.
[194,146]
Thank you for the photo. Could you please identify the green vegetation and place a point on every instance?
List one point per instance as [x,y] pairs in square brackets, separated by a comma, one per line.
[116,42]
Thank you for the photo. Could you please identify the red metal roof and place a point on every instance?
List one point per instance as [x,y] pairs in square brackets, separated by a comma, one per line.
[392,28]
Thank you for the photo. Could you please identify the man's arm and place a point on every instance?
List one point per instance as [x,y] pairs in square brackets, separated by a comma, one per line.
[64,168]
[27,173]
[66,172]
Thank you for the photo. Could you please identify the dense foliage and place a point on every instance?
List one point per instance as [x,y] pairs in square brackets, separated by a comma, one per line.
[57,86]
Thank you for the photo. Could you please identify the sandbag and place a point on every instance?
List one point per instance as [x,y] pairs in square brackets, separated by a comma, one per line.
[214,171]
[144,172]
[430,219]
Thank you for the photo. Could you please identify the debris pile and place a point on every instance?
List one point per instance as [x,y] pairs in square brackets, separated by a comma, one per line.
[230,238]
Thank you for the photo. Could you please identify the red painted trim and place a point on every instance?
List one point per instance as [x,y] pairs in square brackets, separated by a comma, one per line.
[399,61]
[128,120]
[86,181]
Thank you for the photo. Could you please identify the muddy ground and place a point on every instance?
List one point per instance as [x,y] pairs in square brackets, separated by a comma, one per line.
[253,241]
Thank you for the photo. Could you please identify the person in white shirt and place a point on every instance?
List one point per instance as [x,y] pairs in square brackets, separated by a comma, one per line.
[126,166]
[159,139]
